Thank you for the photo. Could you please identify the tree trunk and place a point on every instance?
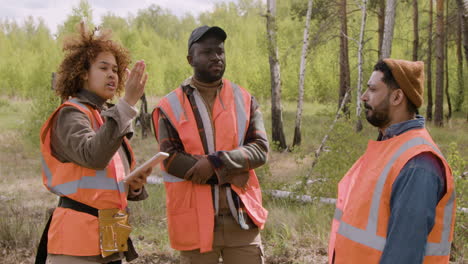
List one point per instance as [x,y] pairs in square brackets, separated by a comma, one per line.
[415,30]
[463,7]
[381,19]
[360,48]
[439,49]
[446,56]
[345,78]
[144,118]
[276,108]
[390,10]
[53,81]
[429,67]
[300,97]
[461,88]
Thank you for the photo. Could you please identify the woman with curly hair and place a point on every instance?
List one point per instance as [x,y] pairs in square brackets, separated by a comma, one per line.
[86,154]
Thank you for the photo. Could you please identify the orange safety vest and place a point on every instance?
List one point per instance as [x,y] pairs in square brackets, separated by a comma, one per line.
[359,227]
[190,210]
[71,232]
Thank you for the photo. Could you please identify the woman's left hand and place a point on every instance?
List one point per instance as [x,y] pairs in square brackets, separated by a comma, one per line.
[138,182]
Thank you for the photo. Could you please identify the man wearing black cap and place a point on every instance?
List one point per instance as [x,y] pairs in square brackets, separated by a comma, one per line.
[397,203]
[214,132]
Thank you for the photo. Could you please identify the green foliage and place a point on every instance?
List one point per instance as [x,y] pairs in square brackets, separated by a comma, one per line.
[459,170]
[42,107]
[455,160]
[82,12]
[28,57]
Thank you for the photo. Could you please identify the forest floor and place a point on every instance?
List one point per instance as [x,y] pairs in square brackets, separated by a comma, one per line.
[295,232]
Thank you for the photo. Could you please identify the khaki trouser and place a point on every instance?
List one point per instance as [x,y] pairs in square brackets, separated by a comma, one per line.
[232,243]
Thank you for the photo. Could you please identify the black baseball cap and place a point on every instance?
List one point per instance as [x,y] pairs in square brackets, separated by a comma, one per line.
[199,32]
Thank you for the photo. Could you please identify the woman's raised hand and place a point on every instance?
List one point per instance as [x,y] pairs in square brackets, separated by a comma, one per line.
[135,85]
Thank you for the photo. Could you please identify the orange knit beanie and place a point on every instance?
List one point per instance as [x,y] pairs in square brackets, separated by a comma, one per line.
[410,77]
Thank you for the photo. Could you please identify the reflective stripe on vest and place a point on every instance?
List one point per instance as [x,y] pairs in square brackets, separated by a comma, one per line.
[369,236]
[99,181]
[241,114]
[206,120]
[176,106]
[209,136]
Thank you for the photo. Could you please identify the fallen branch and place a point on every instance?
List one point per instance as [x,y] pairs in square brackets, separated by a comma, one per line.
[299,198]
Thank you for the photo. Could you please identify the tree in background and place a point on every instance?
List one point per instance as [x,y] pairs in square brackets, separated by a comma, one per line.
[446,59]
[429,66]
[300,97]
[363,7]
[381,19]
[277,131]
[377,7]
[463,9]
[461,85]
[439,49]
[28,55]
[415,30]
[345,77]
[81,12]
[390,13]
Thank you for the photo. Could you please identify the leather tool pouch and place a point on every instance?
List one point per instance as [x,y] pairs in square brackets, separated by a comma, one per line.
[114,231]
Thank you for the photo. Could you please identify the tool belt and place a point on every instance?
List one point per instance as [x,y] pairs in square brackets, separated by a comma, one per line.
[114,231]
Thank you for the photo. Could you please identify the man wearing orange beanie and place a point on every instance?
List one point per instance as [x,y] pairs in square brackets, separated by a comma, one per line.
[397,202]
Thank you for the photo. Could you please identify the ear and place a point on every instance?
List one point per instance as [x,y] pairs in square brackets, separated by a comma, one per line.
[397,97]
[84,76]
[190,60]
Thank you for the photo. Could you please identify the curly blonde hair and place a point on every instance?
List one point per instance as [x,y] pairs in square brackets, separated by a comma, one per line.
[80,51]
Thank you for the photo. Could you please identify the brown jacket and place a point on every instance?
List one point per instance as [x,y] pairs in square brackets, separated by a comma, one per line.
[74,140]
[227,164]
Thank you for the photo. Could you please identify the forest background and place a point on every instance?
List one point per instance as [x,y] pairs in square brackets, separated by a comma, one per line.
[297,230]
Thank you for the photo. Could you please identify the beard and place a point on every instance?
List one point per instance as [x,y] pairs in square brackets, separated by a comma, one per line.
[379,116]
[208,77]
[204,74]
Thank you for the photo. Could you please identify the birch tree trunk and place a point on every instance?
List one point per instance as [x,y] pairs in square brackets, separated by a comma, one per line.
[300,98]
[390,10]
[439,49]
[345,78]
[360,48]
[415,30]
[276,108]
[461,88]
[429,67]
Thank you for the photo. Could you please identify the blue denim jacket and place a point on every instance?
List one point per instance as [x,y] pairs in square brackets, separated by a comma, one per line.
[415,194]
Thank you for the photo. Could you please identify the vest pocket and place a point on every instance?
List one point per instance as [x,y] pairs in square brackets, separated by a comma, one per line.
[183,228]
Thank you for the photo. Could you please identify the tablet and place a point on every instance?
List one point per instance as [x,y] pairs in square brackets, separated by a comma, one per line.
[160,156]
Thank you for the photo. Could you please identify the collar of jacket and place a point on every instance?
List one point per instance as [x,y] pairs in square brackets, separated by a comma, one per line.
[402,127]
[92,99]
[188,83]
